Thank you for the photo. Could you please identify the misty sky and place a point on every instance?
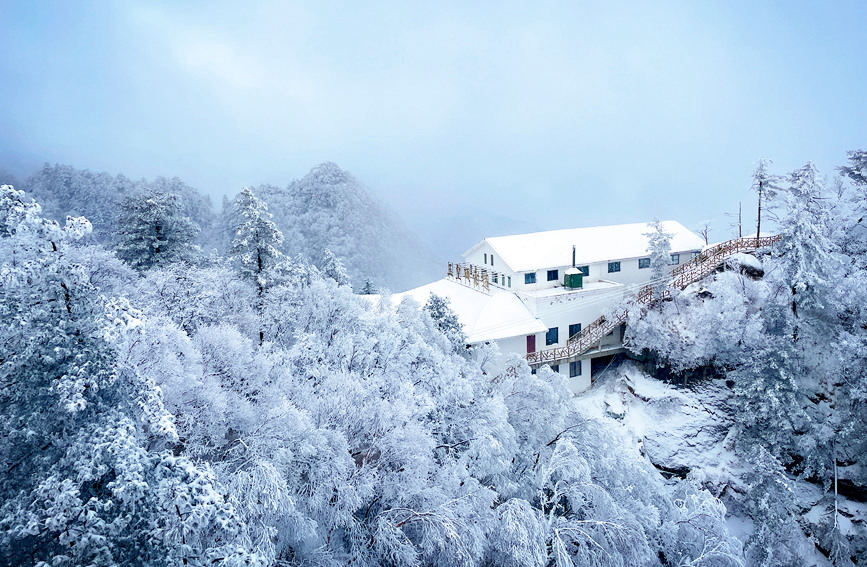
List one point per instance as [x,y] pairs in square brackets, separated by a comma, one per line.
[466,120]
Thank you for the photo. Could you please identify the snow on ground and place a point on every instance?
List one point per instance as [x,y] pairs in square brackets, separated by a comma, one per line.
[679,429]
[687,430]
[746,261]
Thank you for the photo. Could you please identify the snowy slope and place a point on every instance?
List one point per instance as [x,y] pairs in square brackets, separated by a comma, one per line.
[689,431]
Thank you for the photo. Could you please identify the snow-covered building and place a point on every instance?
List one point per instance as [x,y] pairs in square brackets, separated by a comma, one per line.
[529,292]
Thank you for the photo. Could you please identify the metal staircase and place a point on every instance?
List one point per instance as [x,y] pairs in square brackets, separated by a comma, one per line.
[696,269]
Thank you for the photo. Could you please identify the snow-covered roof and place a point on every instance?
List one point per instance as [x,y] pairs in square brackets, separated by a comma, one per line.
[484,317]
[553,248]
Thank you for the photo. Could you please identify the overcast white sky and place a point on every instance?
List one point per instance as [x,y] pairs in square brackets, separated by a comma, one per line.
[468,121]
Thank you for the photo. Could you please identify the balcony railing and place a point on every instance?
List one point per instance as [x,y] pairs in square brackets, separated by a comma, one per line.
[699,267]
[476,277]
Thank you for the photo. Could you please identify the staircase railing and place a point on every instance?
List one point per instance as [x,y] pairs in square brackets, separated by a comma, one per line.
[699,267]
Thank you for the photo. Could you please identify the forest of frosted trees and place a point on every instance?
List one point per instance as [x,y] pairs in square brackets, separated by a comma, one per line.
[165,403]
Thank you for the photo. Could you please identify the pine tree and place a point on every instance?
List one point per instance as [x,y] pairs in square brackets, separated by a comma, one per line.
[446,321]
[856,170]
[333,268]
[368,288]
[255,248]
[89,475]
[659,247]
[153,231]
[807,254]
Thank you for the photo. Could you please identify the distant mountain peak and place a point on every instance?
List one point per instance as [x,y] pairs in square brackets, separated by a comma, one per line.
[330,209]
[329,173]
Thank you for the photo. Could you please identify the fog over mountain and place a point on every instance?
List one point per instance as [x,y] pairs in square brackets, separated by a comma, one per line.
[328,209]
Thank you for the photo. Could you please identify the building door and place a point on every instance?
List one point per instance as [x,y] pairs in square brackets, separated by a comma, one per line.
[531,343]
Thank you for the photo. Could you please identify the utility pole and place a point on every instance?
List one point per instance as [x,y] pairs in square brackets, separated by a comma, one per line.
[759,224]
[740,225]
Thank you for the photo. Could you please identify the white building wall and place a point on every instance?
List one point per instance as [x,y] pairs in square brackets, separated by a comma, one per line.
[485,257]
[512,345]
[562,310]
[629,273]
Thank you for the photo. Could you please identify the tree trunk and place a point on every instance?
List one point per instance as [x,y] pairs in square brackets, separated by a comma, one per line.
[261,293]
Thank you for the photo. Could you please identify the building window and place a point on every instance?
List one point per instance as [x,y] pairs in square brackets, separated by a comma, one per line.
[696,254]
[643,263]
[486,257]
[530,278]
[495,278]
[492,259]
[613,267]
[553,275]
[510,281]
[675,259]
[575,369]
[574,329]
[585,270]
[552,336]
[555,368]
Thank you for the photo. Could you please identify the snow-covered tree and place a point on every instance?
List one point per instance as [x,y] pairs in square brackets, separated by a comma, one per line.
[64,190]
[368,288]
[153,231]
[332,267]
[358,433]
[329,209]
[856,169]
[791,346]
[89,472]
[255,248]
[659,248]
[446,321]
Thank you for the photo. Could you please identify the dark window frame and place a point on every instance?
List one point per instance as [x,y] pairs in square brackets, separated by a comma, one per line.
[529,278]
[572,366]
[643,263]
[613,267]
[553,275]
[675,259]
[552,336]
[574,328]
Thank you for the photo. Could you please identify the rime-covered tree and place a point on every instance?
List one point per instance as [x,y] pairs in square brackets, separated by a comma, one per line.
[659,247]
[64,190]
[806,252]
[791,348]
[856,169]
[255,248]
[368,288]
[153,231]
[89,475]
[446,321]
[332,267]
[763,182]
[329,209]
